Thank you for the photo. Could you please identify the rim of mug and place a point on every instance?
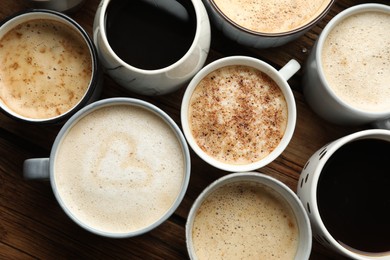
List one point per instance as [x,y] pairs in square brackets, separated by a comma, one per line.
[32,14]
[115,102]
[102,27]
[263,67]
[360,8]
[380,134]
[296,30]
[276,185]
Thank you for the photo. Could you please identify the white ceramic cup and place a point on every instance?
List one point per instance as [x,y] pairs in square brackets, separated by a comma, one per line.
[307,191]
[93,90]
[251,38]
[319,94]
[280,77]
[285,193]
[132,177]
[157,81]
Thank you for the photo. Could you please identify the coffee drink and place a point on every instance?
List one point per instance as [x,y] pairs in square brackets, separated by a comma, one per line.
[353,198]
[272,16]
[245,220]
[156,34]
[237,114]
[45,68]
[119,169]
[356,61]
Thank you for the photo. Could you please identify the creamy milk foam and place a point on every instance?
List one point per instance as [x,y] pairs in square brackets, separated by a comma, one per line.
[237,114]
[272,16]
[356,61]
[119,169]
[245,220]
[45,68]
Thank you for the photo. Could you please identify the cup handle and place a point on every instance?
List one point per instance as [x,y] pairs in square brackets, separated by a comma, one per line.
[289,69]
[36,169]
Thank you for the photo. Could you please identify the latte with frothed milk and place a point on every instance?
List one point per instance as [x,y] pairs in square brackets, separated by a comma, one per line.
[45,68]
[272,16]
[237,114]
[120,168]
[245,220]
[356,61]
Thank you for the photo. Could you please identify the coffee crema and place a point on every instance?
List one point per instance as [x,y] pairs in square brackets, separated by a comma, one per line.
[272,16]
[119,169]
[245,220]
[45,68]
[237,114]
[356,61]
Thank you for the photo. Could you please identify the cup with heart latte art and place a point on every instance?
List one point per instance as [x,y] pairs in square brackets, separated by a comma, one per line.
[119,167]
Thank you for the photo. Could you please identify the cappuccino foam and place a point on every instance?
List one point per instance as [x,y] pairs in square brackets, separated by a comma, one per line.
[119,169]
[272,16]
[245,220]
[356,61]
[45,68]
[237,115]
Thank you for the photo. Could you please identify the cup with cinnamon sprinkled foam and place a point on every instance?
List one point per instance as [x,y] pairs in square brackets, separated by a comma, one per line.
[238,113]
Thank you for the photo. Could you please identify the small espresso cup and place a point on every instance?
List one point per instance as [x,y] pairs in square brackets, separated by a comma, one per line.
[248,216]
[49,67]
[152,47]
[344,189]
[264,24]
[238,113]
[346,78]
[119,167]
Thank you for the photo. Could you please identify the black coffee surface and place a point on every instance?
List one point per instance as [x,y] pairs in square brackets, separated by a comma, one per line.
[150,34]
[354,195]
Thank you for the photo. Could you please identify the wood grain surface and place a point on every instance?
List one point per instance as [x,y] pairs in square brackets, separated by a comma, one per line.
[32,224]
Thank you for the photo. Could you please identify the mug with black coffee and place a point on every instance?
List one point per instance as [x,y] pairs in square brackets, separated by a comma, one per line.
[152,47]
[344,187]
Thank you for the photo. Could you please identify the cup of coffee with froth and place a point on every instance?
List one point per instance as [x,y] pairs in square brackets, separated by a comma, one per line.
[248,216]
[263,24]
[119,167]
[49,67]
[238,113]
[347,74]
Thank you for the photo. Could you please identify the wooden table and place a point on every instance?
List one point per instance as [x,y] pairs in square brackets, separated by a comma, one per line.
[32,224]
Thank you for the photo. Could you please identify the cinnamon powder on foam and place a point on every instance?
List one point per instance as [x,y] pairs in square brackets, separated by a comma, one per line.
[237,114]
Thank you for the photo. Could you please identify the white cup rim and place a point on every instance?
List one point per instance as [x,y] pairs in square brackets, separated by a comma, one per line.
[131,102]
[282,189]
[270,71]
[102,27]
[318,55]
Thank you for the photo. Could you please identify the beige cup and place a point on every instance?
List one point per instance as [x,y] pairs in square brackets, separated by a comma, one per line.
[248,216]
[241,118]
[49,72]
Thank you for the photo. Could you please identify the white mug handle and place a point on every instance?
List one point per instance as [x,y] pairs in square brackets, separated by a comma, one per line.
[36,169]
[289,69]
[382,124]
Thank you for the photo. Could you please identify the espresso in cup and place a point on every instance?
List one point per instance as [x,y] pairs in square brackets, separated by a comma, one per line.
[344,188]
[248,216]
[237,114]
[159,33]
[45,69]
[356,60]
[272,16]
[119,167]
